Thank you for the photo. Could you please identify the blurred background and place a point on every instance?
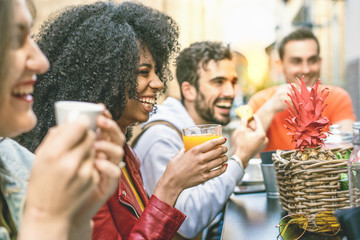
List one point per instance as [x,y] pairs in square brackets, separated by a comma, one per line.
[253,28]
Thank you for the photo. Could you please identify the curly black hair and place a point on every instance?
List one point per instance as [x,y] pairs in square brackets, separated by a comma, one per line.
[198,55]
[94,53]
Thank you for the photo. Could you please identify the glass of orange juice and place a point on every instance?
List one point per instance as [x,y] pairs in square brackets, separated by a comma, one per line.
[195,135]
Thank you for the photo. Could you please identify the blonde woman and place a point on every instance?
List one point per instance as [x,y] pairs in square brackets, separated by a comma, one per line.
[68,182]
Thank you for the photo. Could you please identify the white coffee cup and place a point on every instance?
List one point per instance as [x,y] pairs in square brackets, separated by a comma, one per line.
[71,110]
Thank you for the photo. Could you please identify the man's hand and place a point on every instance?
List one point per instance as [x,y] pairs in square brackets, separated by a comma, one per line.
[274,105]
[248,139]
[277,102]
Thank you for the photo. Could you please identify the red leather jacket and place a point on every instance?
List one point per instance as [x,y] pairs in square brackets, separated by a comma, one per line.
[121,217]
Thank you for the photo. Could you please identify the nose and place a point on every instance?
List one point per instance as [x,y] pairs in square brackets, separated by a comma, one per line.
[229,89]
[36,60]
[156,83]
[305,68]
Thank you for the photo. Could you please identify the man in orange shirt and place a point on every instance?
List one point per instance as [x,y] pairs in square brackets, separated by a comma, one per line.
[299,56]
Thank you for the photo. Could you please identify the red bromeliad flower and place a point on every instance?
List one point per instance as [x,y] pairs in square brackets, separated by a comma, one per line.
[306,122]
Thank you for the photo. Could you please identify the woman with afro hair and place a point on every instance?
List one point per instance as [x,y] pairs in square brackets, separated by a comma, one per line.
[119,55]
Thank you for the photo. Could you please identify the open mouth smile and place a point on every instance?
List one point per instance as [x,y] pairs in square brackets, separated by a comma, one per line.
[148,103]
[24,92]
[224,104]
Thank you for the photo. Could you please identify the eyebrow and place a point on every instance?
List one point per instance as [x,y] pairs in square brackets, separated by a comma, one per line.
[146,65]
[312,56]
[218,78]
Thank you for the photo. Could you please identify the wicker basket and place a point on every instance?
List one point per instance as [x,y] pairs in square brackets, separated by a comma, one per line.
[310,187]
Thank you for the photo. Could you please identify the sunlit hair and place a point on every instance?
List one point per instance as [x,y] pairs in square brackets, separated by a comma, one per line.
[6,13]
[196,56]
[297,35]
[94,54]
[32,9]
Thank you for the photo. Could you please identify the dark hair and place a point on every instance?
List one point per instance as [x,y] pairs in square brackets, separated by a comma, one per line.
[297,35]
[198,55]
[6,11]
[94,55]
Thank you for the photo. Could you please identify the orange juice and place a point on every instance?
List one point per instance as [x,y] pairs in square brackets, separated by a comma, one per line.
[194,140]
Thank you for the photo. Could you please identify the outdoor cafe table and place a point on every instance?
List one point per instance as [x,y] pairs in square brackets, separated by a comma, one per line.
[254,216]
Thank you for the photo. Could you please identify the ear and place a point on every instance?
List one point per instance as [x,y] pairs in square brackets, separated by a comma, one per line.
[320,60]
[279,65]
[188,91]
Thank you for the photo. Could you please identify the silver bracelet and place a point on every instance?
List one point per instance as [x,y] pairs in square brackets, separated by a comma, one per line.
[238,160]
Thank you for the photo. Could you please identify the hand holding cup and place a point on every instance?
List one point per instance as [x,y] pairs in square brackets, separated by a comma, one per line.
[71,110]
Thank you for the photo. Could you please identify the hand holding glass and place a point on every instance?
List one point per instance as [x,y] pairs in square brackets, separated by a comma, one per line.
[199,134]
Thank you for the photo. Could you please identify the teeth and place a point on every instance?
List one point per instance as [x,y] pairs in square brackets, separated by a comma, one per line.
[148,105]
[148,100]
[224,104]
[23,90]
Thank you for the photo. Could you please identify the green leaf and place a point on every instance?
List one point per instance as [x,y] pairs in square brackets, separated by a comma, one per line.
[347,154]
[344,181]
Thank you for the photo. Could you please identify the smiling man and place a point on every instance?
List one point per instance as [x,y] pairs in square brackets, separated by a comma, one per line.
[299,54]
[207,78]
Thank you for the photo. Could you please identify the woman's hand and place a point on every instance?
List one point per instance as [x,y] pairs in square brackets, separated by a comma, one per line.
[188,169]
[109,178]
[73,176]
[63,177]
[110,140]
[109,153]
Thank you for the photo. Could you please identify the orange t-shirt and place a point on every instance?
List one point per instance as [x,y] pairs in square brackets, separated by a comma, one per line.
[339,107]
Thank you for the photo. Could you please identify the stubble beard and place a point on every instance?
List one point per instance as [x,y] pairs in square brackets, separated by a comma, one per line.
[309,78]
[206,112]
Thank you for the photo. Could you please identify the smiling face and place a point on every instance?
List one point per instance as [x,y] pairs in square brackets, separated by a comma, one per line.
[27,59]
[149,84]
[300,58]
[216,92]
